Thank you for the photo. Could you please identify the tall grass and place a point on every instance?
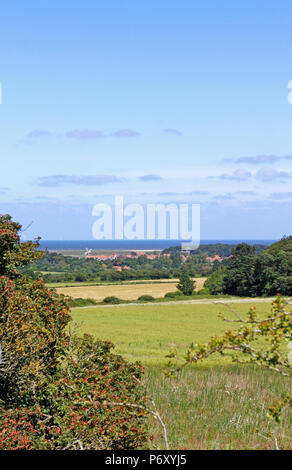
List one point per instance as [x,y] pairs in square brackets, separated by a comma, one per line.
[220,407]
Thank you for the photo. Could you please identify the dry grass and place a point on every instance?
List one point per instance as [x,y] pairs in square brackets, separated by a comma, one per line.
[128,291]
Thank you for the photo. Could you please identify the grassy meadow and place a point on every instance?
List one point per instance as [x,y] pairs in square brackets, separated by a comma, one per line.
[217,405]
[147,332]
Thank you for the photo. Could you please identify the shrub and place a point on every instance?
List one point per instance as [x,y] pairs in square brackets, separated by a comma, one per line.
[173,295]
[146,298]
[204,291]
[80,278]
[58,391]
[80,302]
[111,300]
[81,404]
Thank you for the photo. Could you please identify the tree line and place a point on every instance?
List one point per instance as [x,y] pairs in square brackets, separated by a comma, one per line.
[250,274]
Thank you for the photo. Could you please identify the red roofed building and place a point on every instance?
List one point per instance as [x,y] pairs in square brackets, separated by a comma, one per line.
[151,256]
[102,257]
[117,268]
[215,258]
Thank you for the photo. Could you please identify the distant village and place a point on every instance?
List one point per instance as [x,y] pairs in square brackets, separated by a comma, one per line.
[115,256]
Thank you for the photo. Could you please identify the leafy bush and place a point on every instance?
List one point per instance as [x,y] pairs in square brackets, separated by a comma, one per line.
[111,300]
[58,391]
[146,298]
[204,291]
[173,295]
[80,302]
[80,278]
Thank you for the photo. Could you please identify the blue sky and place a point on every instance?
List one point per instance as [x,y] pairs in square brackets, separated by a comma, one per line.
[158,101]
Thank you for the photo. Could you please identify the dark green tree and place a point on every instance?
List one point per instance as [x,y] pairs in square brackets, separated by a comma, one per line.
[239,279]
[186,285]
[215,282]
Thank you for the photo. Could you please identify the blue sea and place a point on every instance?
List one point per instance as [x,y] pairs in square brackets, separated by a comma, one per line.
[126,245]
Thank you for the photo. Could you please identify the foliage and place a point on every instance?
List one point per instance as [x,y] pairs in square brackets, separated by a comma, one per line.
[58,267]
[285,244]
[250,274]
[80,407]
[146,298]
[205,292]
[58,391]
[239,278]
[186,285]
[111,300]
[214,283]
[173,295]
[222,249]
[80,302]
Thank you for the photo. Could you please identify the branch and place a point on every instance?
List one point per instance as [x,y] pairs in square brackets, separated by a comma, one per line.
[144,408]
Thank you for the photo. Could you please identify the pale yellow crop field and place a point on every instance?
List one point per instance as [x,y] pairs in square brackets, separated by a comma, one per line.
[125,291]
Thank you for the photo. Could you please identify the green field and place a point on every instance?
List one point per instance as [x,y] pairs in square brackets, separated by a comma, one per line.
[217,405]
[147,332]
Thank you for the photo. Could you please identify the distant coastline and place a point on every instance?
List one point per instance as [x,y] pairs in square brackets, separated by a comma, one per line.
[128,245]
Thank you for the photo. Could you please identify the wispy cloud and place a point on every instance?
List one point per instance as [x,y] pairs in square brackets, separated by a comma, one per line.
[281,195]
[38,134]
[190,193]
[84,135]
[224,197]
[125,133]
[150,178]
[259,159]
[245,193]
[61,180]
[172,132]
[237,175]
[43,198]
[270,174]
[198,193]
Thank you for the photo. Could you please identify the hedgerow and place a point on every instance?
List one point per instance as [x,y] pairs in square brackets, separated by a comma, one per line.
[146,298]
[111,300]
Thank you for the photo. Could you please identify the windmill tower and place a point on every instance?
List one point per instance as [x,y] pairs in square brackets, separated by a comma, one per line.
[87,252]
